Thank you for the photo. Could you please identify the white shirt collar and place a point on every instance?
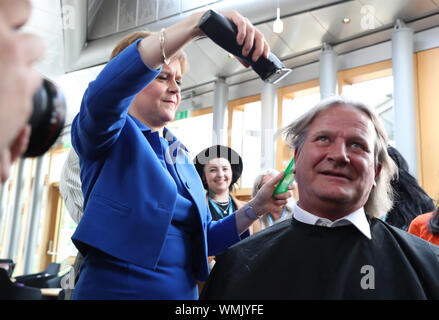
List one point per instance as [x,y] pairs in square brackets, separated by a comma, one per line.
[357,218]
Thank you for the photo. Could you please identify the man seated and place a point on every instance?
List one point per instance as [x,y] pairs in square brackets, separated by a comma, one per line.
[336,246]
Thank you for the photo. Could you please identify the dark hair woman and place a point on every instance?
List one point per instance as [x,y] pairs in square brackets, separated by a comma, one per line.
[410,199]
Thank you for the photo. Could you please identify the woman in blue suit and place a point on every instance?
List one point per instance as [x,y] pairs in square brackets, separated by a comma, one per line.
[146,230]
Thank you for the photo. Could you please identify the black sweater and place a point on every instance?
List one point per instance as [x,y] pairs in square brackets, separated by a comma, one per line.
[293,260]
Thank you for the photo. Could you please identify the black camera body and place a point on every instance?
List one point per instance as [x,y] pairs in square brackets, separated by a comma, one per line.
[47,120]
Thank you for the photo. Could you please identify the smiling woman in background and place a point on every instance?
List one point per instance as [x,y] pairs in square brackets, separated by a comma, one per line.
[219,168]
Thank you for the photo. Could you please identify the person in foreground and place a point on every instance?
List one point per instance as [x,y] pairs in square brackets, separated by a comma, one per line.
[146,229]
[18,82]
[336,246]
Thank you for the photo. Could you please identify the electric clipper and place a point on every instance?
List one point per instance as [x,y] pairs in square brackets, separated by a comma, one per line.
[223,33]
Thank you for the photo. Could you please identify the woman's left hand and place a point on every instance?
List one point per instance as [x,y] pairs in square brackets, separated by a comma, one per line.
[265,202]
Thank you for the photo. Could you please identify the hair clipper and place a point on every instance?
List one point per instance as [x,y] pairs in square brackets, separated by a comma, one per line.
[288,179]
[223,33]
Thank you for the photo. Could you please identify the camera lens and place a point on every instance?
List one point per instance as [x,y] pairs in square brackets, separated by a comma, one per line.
[47,120]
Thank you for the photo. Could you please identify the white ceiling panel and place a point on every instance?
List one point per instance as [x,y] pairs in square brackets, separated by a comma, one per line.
[106,22]
[147,11]
[362,42]
[331,19]
[93,7]
[168,8]
[277,44]
[127,14]
[302,32]
[194,4]
[388,11]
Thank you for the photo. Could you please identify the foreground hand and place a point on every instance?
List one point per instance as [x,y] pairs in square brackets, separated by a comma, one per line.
[19,80]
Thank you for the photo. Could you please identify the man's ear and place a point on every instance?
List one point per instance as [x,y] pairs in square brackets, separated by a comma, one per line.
[377,173]
[296,156]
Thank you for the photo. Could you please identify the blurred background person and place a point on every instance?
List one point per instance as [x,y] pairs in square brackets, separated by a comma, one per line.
[274,216]
[71,193]
[18,81]
[70,186]
[410,200]
[426,226]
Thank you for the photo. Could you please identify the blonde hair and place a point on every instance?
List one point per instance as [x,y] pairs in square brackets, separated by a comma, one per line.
[380,199]
[131,38]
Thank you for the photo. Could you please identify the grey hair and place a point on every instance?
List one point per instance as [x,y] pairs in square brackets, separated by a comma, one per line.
[258,179]
[380,199]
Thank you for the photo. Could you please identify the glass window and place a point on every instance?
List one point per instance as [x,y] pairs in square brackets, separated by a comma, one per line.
[66,248]
[246,140]
[378,94]
[295,107]
[8,196]
[194,132]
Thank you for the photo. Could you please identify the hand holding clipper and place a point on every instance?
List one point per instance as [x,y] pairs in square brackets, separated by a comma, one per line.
[223,33]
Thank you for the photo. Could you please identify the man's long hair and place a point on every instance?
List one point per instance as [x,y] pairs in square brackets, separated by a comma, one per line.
[381,197]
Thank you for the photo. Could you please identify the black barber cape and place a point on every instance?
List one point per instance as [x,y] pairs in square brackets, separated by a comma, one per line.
[293,260]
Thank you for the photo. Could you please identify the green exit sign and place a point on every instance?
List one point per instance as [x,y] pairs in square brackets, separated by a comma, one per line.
[182,114]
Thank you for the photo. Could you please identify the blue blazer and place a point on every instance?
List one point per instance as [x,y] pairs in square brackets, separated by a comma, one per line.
[129,197]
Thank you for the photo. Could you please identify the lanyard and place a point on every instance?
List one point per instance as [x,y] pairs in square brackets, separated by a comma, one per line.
[271,219]
[218,210]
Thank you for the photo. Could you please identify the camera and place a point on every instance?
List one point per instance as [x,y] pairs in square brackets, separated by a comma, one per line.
[47,120]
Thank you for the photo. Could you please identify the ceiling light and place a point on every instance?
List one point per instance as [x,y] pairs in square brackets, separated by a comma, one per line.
[278,25]
[346,20]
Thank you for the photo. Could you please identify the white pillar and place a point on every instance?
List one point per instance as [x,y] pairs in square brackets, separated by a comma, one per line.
[15,225]
[3,191]
[35,210]
[404,95]
[221,97]
[328,71]
[268,126]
